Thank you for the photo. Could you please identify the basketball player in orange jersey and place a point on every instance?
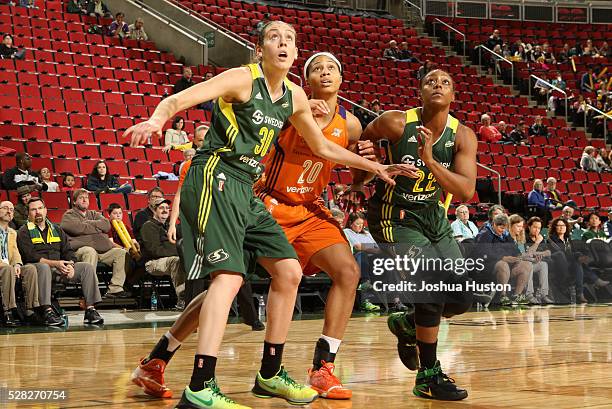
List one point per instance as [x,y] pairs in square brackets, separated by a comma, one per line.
[291,190]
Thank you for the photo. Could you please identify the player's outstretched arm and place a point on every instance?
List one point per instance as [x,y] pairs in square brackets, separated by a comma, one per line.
[305,124]
[461,180]
[233,85]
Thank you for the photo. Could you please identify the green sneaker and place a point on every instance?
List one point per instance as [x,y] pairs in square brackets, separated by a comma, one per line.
[520,299]
[505,301]
[282,386]
[402,325]
[434,384]
[369,307]
[209,398]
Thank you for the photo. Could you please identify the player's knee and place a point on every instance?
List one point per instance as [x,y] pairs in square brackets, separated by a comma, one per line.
[427,314]
[347,276]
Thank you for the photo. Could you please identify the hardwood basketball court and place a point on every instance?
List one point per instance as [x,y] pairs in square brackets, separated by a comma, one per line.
[556,357]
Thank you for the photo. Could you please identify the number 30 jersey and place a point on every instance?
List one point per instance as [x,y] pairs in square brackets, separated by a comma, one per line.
[294,174]
[424,190]
[241,134]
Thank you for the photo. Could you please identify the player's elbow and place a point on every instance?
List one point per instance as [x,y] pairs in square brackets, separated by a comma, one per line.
[467,194]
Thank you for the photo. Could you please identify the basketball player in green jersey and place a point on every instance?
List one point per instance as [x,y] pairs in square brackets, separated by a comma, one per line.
[410,213]
[222,221]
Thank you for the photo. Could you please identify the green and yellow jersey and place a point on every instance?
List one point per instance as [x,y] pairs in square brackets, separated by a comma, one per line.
[411,193]
[241,134]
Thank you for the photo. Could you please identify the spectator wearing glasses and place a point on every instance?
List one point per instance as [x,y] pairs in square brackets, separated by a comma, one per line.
[463,227]
[147,213]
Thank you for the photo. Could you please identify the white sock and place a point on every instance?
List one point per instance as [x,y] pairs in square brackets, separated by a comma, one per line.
[334,344]
[173,343]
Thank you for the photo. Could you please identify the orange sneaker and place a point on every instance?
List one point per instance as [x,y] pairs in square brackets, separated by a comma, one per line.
[150,377]
[325,382]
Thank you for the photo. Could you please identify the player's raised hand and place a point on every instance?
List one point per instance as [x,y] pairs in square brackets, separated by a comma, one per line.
[318,107]
[367,150]
[140,133]
[426,142]
[353,196]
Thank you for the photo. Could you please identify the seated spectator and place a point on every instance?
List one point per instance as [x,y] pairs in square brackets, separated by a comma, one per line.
[74,7]
[127,242]
[406,54]
[208,105]
[518,135]
[45,177]
[463,227]
[538,128]
[519,54]
[187,156]
[559,82]
[22,175]
[119,28]
[146,214]
[603,160]
[176,135]
[565,53]
[538,199]
[362,243]
[11,268]
[607,228]
[376,108]
[364,116]
[99,181]
[8,51]
[197,142]
[501,127]
[594,228]
[560,243]
[549,57]
[488,132]
[68,182]
[46,246]
[425,68]
[587,81]
[28,3]
[87,231]
[554,196]
[96,8]
[575,231]
[161,256]
[538,253]
[393,52]
[136,30]
[185,81]
[494,40]
[588,161]
[21,208]
[493,211]
[501,256]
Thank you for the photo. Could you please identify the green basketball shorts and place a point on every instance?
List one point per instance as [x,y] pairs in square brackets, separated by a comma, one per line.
[223,223]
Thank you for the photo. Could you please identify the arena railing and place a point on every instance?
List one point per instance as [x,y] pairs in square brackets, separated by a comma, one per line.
[496,173]
[538,79]
[420,9]
[605,118]
[499,57]
[438,21]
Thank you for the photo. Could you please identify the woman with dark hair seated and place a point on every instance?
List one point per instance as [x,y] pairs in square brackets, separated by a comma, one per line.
[100,181]
[570,261]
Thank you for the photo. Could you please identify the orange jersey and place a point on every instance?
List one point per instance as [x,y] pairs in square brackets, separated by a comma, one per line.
[293,173]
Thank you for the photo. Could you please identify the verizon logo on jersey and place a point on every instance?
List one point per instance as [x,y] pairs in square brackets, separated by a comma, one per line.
[300,190]
[249,161]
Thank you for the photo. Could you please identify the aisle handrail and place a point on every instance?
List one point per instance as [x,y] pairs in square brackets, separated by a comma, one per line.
[438,21]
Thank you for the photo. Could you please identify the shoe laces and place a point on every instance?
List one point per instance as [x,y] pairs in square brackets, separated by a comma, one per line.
[287,379]
[216,392]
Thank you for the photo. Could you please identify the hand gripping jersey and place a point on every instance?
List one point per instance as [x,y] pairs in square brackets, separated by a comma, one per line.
[294,175]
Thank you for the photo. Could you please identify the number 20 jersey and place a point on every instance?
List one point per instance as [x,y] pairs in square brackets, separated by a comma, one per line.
[294,175]
[242,133]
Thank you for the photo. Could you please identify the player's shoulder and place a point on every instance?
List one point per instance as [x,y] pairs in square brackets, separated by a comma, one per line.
[464,131]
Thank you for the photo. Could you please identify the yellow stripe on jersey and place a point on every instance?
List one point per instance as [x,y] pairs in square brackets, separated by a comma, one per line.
[255,71]
[288,84]
[232,130]
[387,211]
[412,115]
[206,196]
[453,123]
